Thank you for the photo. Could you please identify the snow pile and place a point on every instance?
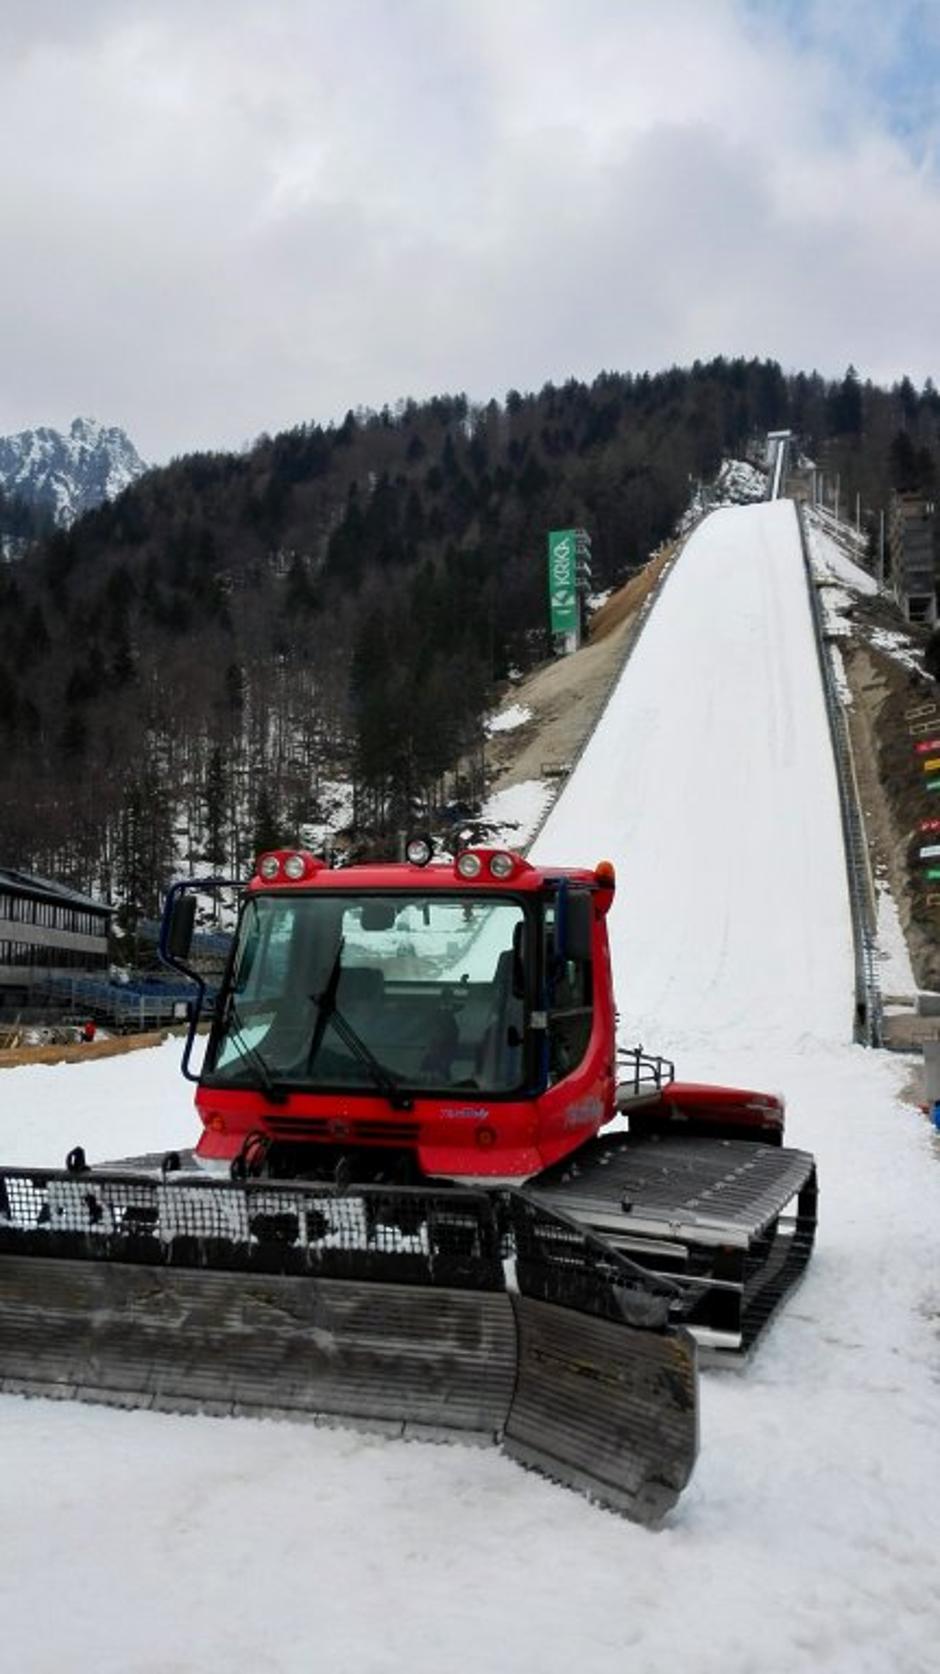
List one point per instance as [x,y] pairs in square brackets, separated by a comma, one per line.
[514,813]
[895,976]
[739,483]
[843,582]
[507,720]
[897,644]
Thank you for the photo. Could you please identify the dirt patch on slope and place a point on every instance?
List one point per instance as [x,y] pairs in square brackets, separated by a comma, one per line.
[623,605]
[567,695]
[894,710]
[14,1057]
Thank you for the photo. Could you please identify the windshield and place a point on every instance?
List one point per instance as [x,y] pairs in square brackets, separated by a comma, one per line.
[430,988]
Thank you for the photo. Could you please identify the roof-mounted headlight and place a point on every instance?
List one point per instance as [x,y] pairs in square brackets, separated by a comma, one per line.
[419,849]
[502,865]
[469,865]
[287,865]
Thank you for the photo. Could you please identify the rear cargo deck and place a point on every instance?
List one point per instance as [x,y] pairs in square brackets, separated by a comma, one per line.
[730,1221]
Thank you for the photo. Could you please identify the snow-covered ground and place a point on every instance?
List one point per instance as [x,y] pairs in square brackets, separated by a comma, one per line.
[710,781]
[844,580]
[514,813]
[807,1541]
[506,720]
[895,973]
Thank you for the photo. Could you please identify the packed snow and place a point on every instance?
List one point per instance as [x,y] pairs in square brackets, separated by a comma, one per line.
[807,1540]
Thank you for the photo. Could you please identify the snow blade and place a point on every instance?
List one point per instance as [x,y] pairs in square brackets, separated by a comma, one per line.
[606,1391]
[607,1409]
[265,1345]
[386,1307]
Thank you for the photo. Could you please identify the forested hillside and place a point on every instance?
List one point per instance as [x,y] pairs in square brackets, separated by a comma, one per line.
[20,525]
[187,671]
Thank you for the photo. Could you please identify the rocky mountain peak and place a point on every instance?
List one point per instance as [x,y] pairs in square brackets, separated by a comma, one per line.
[66,474]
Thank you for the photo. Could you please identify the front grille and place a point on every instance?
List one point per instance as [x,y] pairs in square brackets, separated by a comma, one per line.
[337,1129]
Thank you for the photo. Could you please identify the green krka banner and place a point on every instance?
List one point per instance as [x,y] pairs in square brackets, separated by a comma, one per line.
[562,591]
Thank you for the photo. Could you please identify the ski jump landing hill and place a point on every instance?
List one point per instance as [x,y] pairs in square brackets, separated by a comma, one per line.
[710,781]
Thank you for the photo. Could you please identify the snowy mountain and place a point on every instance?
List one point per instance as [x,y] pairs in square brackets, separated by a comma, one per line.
[68,474]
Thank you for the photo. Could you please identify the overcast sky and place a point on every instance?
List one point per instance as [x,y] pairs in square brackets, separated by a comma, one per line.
[222,217]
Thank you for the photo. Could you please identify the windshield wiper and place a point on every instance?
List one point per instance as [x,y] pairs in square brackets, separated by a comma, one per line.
[327,1013]
[234,1025]
[325,1004]
[383,1078]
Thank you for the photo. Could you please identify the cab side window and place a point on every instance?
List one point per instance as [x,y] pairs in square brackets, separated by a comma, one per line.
[570,1005]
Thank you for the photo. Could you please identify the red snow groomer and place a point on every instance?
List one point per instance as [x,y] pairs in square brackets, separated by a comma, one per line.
[402,1207]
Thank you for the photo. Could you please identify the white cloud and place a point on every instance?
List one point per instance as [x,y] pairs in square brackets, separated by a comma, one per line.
[223,218]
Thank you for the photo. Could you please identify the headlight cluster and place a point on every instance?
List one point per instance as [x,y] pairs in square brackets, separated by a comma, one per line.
[499,864]
[290,865]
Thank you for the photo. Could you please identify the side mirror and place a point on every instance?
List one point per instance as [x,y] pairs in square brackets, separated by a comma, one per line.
[182,922]
[579,921]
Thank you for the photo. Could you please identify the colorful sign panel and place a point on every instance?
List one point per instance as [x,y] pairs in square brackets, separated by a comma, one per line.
[931,765]
[562,581]
[932,784]
[925,747]
[930,851]
[929,825]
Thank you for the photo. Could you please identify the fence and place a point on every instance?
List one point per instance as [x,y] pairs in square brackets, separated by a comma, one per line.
[124,1006]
